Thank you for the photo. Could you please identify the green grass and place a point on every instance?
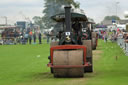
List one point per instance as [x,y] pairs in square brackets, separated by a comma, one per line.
[108,70]
[22,63]
[26,65]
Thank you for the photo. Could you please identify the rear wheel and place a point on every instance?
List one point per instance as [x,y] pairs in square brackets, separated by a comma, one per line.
[89,69]
[94,39]
[94,43]
[88,44]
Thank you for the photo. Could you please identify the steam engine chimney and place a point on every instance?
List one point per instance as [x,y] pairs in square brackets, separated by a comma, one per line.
[68,18]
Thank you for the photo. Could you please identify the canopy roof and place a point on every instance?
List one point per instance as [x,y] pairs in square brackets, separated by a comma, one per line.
[74,17]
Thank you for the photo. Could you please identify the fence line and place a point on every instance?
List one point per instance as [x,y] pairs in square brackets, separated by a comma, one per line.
[121,42]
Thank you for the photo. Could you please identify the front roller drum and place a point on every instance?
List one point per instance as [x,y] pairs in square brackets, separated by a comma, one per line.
[51,45]
[68,57]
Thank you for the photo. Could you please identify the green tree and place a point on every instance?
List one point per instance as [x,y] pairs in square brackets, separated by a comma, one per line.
[53,7]
[113,17]
[38,21]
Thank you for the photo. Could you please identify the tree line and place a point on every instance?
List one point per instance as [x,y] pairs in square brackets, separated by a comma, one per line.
[52,7]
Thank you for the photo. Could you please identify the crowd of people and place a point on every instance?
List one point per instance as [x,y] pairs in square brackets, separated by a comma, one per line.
[34,37]
[17,37]
[105,35]
[31,36]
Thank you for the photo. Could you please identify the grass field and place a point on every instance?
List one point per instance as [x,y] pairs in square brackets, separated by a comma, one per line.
[26,65]
[110,70]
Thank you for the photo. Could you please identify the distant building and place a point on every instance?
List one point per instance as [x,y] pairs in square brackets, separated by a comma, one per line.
[109,22]
[125,21]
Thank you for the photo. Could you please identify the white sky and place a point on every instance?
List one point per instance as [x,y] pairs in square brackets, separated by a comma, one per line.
[96,9]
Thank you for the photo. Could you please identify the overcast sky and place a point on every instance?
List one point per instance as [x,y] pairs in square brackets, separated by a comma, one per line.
[22,9]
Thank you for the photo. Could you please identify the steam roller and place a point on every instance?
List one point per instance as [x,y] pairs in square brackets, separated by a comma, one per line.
[71,56]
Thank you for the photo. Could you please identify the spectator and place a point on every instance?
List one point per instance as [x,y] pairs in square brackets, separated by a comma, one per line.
[126,38]
[113,37]
[120,34]
[26,37]
[30,37]
[34,38]
[105,36]
[48,37]
[1,42]
[15,37]
[99,33]
[40,42]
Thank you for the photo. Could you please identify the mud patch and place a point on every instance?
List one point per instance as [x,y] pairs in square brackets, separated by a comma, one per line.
[77,81]
[97,54]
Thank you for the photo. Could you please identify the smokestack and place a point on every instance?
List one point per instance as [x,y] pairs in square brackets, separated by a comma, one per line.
[68,18]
